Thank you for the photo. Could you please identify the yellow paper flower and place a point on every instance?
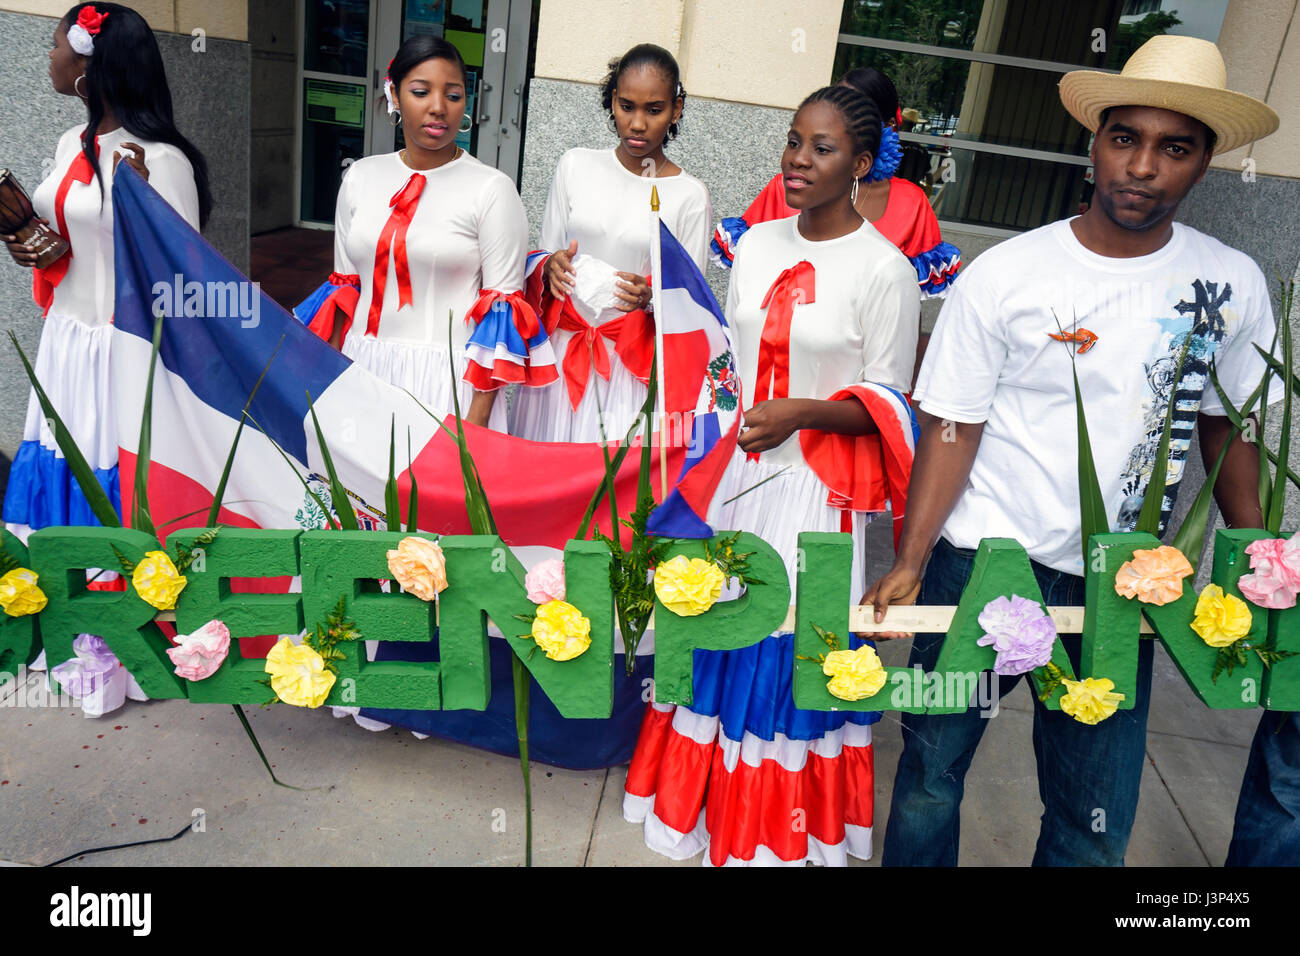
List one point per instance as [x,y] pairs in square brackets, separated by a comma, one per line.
[19,594]
[1154,575]
[561,631]
[1221,619]
[688,587]
[157,581]
[1091,700]
[419,566]
[854,675]
[298,674]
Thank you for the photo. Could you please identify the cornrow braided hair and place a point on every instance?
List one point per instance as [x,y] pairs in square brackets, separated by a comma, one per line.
[861,117]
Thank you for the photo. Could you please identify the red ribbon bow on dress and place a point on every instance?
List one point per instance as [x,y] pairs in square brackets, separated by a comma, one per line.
[522,313]
[45,281]
[393,236]
[793,286]
[633,335]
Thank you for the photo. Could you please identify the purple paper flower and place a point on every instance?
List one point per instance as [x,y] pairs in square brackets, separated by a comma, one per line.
[87,672]
[1021,633]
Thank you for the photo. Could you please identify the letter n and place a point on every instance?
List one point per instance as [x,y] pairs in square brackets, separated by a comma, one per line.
[582,687]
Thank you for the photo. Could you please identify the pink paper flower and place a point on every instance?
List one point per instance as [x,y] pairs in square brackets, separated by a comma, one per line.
[1275,578]
[197,656]
[545,582]
[1021,633]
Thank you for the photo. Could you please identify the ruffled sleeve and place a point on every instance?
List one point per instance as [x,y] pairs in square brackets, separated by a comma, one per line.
[343,287]
[508,344]
[867,472]
[936,268]
[767,205]
[317,310]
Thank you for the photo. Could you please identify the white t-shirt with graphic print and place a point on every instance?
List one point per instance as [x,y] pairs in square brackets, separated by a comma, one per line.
[1001,354]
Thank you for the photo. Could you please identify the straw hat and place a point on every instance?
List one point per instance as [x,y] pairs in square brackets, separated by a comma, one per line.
[1176,73]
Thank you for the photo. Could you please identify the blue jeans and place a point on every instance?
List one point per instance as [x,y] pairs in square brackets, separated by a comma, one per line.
[1087,776]
[1267,829]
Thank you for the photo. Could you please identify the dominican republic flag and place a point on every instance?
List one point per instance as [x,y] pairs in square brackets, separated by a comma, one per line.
[702,375]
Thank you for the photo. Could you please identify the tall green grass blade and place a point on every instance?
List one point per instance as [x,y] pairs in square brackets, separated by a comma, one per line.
[413,503]
[1092,506]
[100,504]
[476,503]
[1239,418]
[523,685]
[339,494]
[1277,502]
[392,507]
[141,519]
[219,495]
[613,465]
[1154,499]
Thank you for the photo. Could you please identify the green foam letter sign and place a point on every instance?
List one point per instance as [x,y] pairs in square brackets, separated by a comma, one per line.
[238,553]
[60,556]
[20,637]
[730,625]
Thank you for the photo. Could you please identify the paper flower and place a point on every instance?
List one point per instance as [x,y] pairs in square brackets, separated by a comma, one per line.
[1091,700]
[1154,575]
[419,566]
[197,656]
[298,674]
[90,670]
[19,594]
[854,675]
[1275,578]
[561,631]
[688,587]
[1021,633]
[1221,619]
[157,581]
[545,582]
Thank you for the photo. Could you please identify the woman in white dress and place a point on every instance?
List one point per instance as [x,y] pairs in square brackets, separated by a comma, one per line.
[106,55]
[427,241]
[823,310]
[597,227]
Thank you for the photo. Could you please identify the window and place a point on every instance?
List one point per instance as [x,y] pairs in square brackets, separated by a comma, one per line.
[989,138]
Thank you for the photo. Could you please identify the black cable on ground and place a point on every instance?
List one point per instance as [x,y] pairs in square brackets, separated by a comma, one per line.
[121,846]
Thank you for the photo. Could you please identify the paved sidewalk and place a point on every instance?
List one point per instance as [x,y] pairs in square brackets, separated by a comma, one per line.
[70,783]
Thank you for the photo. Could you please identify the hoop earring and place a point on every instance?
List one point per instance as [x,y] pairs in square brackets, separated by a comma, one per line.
[613,126]
[466,123]
[74,86]
[853,192]
[395,118]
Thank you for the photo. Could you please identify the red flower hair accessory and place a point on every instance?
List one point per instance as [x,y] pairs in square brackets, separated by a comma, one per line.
[81,34]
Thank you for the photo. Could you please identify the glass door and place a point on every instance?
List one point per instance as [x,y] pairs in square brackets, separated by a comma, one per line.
[334,94]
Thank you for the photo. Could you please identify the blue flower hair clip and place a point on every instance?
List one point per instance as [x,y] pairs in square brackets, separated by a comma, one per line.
[888,156]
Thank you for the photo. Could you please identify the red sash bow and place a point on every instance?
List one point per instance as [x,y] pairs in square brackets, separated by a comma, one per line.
[633,335]
[45,281]
[393,237]
[793,286]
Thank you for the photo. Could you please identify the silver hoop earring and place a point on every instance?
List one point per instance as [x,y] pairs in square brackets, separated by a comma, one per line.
[853,192]
[395,118]
[466,123]
[75,89]
[613,126]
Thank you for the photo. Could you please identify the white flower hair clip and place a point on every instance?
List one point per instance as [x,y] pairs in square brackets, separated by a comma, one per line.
[81,35]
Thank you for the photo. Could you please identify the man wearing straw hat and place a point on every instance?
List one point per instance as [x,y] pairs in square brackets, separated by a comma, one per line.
[1113,295]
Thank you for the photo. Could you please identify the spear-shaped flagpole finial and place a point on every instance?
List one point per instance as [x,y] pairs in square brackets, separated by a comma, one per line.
[654,198]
